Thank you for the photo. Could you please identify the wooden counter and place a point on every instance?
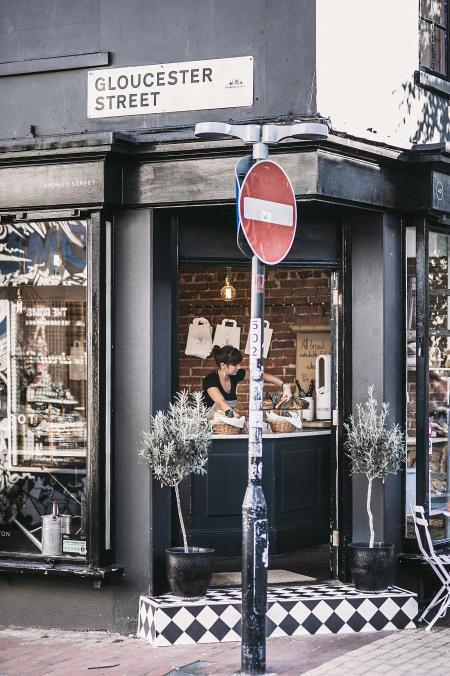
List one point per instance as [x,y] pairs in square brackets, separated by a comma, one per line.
[296,484]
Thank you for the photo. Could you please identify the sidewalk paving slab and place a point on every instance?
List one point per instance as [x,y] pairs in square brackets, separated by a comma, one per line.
[37,652]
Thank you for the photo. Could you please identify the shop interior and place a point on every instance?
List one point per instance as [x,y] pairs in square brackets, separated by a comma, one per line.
[298,348]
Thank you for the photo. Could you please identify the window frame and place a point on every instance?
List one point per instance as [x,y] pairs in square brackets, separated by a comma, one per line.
[423,227]
[445,28]
[99,440]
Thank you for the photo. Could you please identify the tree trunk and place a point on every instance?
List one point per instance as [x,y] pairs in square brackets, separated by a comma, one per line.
[180,516]
[369,512]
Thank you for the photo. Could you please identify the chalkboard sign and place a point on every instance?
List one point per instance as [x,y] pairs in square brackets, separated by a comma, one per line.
[312,340]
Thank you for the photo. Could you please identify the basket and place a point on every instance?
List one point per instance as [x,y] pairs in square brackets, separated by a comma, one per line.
[223,428]
[282,426]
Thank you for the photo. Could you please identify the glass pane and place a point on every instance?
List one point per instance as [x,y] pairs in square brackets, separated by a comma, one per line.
[425,45]
[439,14]
[440,51]
[426,8]
[439,384]
[43,397]
[410,267]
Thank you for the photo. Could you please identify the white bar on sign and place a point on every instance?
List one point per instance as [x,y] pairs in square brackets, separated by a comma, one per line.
[270,212]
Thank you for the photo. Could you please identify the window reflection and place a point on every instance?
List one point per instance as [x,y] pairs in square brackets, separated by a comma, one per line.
[433,35]
[411,393]
[43,406]
[439,381]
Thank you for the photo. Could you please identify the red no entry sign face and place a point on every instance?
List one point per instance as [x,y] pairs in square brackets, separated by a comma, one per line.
[268,212]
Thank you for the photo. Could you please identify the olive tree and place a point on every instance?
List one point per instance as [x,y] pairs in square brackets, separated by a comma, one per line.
[374,448]
[177,444]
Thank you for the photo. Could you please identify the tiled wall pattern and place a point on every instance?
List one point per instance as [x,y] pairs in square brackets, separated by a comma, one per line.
[325,608]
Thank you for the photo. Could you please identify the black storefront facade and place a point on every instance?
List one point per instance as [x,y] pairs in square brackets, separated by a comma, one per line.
[148,208]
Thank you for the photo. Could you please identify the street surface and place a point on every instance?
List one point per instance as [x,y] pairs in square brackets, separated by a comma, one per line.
[37,652]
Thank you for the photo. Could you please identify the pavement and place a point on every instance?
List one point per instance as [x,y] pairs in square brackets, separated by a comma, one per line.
[38,652]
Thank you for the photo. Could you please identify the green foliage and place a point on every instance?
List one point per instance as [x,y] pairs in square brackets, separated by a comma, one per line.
[375,449]
[178,441]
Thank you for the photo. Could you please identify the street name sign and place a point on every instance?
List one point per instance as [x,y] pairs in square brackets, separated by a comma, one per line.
[170,87]
[268,212]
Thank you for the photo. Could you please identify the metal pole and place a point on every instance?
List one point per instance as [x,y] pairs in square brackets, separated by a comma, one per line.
[255,544]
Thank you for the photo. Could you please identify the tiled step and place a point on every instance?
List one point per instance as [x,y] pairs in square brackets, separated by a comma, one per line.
[326,608]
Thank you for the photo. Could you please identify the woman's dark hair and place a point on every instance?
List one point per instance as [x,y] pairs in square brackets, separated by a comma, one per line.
[226,355]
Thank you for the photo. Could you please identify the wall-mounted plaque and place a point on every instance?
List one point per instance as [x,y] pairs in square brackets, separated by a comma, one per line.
[312,340]
[170,87]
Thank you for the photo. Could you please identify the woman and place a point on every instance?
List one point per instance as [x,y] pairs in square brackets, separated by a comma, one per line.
[219,386]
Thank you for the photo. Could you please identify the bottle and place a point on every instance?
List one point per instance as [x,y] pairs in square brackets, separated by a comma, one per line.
[308,414]
[301,391]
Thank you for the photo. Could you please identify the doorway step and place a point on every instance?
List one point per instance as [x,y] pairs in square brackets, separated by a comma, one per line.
[279,577]
[325,608]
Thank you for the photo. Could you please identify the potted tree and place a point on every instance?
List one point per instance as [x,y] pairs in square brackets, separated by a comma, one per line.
[175,447]
[375,450]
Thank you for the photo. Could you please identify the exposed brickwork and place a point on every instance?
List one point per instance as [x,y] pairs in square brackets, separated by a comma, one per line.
[291,296]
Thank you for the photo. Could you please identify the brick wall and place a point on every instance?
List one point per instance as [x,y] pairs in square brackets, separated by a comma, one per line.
[292,296]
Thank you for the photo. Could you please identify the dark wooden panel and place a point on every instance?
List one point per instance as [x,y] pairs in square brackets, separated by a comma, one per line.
[296,489]
[206,180]
[299,487]
[225,471]
[209,233]
[359,182]
[329,176]
[51,184]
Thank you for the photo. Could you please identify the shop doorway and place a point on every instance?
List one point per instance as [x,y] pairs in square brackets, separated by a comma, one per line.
[194,252]
[297,463]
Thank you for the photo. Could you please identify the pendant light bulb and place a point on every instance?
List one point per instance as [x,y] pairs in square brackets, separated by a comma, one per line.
[228,292]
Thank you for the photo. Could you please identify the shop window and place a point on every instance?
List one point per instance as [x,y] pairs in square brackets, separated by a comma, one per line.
[44,406]
[428,397]
[439,383]
[434,36]
[411,384]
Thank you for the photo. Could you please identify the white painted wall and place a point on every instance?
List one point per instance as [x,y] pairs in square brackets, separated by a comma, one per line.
[367,52]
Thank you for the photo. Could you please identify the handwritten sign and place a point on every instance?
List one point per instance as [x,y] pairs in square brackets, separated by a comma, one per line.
[311,342]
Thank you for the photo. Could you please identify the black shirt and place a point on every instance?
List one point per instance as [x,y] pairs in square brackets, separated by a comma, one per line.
[213,380]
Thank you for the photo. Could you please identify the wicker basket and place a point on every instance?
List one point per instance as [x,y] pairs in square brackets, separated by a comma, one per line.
[223,428]
[282,426]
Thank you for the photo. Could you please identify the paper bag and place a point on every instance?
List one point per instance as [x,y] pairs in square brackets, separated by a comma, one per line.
[227,333]
[199,342]
[267,339]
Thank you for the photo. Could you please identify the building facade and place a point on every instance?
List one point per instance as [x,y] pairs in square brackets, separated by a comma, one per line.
[118,226]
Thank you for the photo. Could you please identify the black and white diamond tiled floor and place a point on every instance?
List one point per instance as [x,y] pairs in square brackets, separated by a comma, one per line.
[327,608]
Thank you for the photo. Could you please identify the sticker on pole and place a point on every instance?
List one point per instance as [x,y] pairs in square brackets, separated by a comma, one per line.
[268,212]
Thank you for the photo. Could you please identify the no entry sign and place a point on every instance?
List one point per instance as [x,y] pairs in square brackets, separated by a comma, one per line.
[268,212]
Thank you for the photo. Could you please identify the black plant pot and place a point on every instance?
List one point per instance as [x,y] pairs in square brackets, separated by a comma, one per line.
[190,573]
[371,568]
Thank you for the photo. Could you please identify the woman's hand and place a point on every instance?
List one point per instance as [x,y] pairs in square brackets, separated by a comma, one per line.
[286,395]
